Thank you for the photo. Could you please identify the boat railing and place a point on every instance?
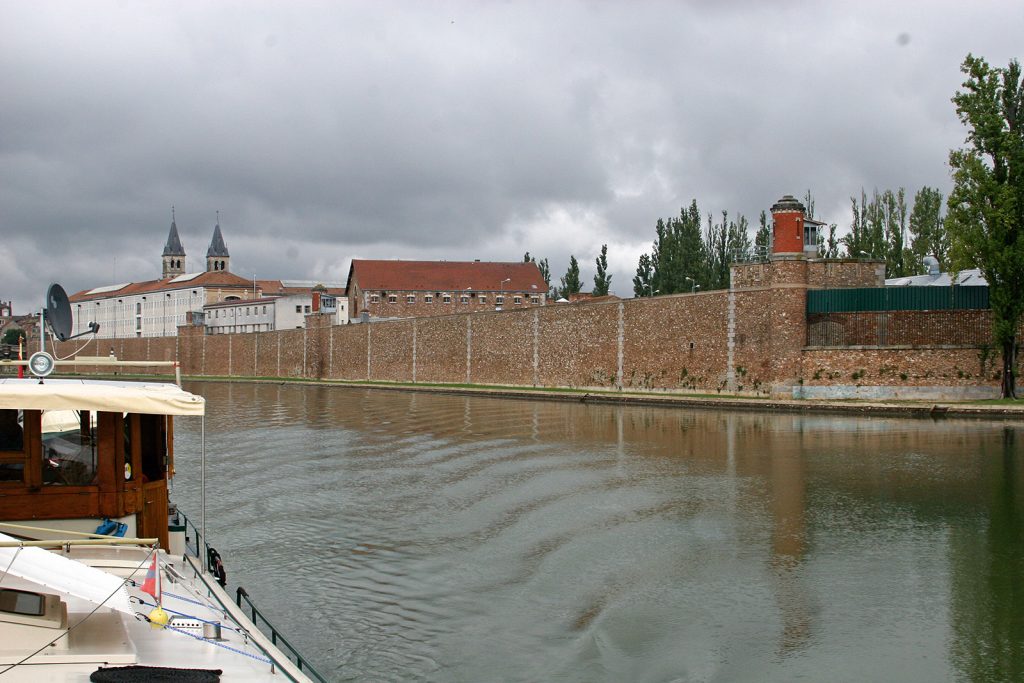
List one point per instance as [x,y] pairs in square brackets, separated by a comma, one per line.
[276,638]
[193,542]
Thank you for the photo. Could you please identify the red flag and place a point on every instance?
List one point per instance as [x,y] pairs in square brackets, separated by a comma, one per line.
[152,583]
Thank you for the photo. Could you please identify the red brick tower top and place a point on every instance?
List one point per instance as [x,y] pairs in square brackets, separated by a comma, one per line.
[788,226]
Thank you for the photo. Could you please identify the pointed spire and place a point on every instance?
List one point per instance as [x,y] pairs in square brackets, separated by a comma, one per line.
[173,246]
[217,247]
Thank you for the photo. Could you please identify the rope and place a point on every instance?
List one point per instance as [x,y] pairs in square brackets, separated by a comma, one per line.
[213,642]
[11,563]
[124,583]
[185,614]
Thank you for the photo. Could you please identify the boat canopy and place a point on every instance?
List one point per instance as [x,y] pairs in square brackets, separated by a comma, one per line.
[99,395]
[54,572]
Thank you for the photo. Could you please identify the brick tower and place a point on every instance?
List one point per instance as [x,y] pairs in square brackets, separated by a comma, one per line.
[788,226]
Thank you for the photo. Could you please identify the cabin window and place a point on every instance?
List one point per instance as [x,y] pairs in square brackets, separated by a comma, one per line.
[12,446]
[69,447]
[21,602]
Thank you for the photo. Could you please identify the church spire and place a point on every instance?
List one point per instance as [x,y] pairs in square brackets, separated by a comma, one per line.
[217,257]
[174,254]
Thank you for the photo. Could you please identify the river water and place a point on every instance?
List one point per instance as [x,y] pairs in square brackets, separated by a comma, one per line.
[403,537]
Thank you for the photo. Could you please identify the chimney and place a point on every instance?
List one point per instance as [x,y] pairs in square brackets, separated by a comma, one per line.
[788,226]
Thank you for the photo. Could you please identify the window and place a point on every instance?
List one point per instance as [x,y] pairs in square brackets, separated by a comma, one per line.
[534,299]
[447,298]
[307,307]
[138,308]
[517,300]
[247,310]
[392,298]
[499,300]
[410,298]
[264,309]
[12,446]
[374,299]
[298,308]
[482,299]
[464,299]
[428,298]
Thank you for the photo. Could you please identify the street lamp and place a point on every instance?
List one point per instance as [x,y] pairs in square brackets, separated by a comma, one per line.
[652,290]
[694,286]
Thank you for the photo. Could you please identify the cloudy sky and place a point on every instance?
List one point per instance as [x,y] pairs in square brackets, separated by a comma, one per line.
[453,130]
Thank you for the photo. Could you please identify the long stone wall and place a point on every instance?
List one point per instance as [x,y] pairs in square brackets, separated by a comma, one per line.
[751,339]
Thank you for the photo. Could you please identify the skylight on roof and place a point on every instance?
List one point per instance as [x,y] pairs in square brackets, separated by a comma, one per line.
[108,288]
[186,277]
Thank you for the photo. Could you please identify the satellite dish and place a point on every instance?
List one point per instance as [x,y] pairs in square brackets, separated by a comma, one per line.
[58,312]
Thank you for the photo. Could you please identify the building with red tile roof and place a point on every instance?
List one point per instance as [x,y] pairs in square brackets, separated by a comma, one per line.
[405,289]
[155,308]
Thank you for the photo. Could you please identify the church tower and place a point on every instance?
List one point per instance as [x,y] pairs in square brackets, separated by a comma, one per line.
[174,253]
[217,257]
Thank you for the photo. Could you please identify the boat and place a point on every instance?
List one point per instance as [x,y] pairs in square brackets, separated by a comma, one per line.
[101,577]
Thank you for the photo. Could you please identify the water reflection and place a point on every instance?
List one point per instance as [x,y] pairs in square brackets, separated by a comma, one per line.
[433,537]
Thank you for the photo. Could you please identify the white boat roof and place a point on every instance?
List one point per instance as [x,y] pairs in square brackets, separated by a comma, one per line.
[99,395]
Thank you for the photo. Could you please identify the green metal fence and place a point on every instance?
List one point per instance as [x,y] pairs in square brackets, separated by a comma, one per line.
[896,299]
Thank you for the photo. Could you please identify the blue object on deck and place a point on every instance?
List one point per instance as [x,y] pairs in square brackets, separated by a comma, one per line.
[111,528]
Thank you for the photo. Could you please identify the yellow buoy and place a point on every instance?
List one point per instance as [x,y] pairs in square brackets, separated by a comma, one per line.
[158,618]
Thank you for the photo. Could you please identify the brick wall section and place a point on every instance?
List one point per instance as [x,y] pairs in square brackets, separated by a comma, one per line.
[291,352]
[578,344]
[659,332]
[391,347]
[348,352]
[900,328]
[901,367]
[441,349]
[502,348]
[845,273]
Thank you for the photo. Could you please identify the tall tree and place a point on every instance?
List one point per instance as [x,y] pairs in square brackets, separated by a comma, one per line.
[679,257]
[571,283]
[643,281]
[894,221]
[985,217]
[602,280]
[928,235]
[763,238]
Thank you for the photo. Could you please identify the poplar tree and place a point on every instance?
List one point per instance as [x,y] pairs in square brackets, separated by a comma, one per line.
[643,284]
[928,235]
[571,283]
[763,238]
[985,218]
[602,281]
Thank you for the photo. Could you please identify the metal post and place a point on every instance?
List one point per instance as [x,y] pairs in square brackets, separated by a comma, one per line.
[202,506]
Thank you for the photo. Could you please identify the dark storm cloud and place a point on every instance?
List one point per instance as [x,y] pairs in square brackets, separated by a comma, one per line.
[450,130]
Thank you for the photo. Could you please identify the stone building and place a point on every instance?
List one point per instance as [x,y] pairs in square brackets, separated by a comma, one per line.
[155,308]
[413,289]
[283,306]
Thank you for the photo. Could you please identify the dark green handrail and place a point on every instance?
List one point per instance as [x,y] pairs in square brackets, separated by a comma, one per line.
[257,616]
[276,638]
